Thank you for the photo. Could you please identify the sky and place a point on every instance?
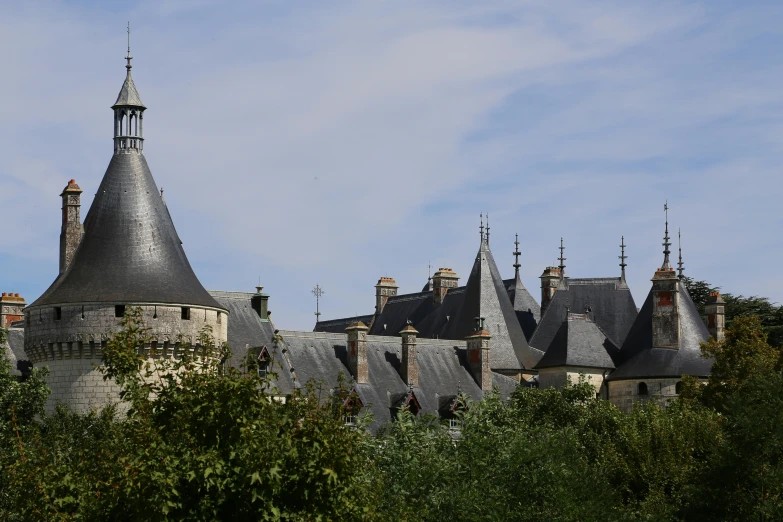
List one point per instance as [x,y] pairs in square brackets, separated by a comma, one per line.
[331,143]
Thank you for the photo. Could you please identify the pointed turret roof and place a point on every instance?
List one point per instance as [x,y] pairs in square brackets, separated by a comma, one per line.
[638,359]
[486,296]
[129,95]
[130,251]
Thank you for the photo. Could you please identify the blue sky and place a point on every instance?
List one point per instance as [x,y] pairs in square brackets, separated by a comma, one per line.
[303,143]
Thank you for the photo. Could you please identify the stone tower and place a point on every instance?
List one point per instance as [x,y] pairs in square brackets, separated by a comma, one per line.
[129,255]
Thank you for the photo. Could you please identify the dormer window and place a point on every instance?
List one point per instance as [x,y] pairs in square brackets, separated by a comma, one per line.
[449,410]
[351,406]
[262,362]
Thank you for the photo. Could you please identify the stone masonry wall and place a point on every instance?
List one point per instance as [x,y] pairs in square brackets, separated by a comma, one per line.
[71,345]
[557,377]
[624,394]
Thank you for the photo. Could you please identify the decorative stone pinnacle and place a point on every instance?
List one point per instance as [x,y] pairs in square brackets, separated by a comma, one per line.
[666,243]
[622,257]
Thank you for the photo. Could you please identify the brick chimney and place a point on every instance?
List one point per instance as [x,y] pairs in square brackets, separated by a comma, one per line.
[357,352]
[666,303]
[443,279]
[71,232]
[11,306]
[260,303]
[385,289]
[478,355]
[410,366]
[550,280]
[714,308]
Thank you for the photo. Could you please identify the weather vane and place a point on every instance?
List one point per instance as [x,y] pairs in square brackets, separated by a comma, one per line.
[318,292]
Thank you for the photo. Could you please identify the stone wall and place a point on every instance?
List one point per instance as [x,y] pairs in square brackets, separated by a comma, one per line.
[69,341]
[624,394]
[558,376]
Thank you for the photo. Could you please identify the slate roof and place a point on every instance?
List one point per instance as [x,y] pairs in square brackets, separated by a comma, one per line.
[527,310]
[638,359]
[610,303]
[130,251]
[443,370]
[14,351]
[128,96]
[246,330]
[579,342]
[339,325]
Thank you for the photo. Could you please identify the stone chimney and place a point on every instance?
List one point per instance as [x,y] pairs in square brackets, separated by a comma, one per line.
[260,303]
[11,306]
[478,356]
[714,308]
[385,289]
[410,366]
[443,279]
[357,352]
[550,280]
[71,232]
[666,303]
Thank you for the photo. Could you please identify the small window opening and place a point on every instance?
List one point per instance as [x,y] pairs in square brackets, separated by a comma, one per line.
[185,313]
[119,311]
[58,313]
[642,388]
[155,313]
[678,387]
[82,312]
[455,424]
[263,368]
[219,318]
[349,419]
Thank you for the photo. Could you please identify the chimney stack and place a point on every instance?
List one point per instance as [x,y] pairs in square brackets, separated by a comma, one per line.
[385,288]
[716,317]
[71,232]
[11,306]
[357,352]
[443,279]
[666,303]
[260,303]
[478,355]
[410,366]
[550,280]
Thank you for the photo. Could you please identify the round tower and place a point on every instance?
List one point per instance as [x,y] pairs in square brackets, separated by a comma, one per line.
[129,255]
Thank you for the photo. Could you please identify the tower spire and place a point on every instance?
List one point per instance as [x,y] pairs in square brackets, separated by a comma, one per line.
[622,257]
[128,57]
[516,255]
[680,265]
[666,243]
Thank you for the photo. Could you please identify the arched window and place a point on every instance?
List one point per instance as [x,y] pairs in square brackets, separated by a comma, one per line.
[642,390]
[678,387]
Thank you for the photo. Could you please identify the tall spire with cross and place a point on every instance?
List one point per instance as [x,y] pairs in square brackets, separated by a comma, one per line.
[680,265]
[516,255]
[622,257]
[666,243]
[318,292]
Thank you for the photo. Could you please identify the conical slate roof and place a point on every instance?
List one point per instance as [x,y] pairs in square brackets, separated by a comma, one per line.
[486,296]
[638,358]
[527,310]
[128,96]
[579,342]
[130,251]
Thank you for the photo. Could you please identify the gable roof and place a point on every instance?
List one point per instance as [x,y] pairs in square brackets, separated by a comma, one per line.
[579,342]
[638,359]
[443,370]
[130,251]
[610,303]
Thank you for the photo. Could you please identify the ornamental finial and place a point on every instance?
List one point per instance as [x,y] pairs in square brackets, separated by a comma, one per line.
[680,265]
[666,243]
[516,255]
[622,257]
[129,57]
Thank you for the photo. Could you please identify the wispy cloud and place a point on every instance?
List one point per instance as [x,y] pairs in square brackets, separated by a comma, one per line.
[306,144]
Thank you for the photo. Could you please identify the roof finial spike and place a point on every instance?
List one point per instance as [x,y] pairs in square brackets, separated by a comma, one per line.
[487,228]
[666,244]
[622,257]
[481,228]
[680,265]
[516,255]
[129,57]
[562,259]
